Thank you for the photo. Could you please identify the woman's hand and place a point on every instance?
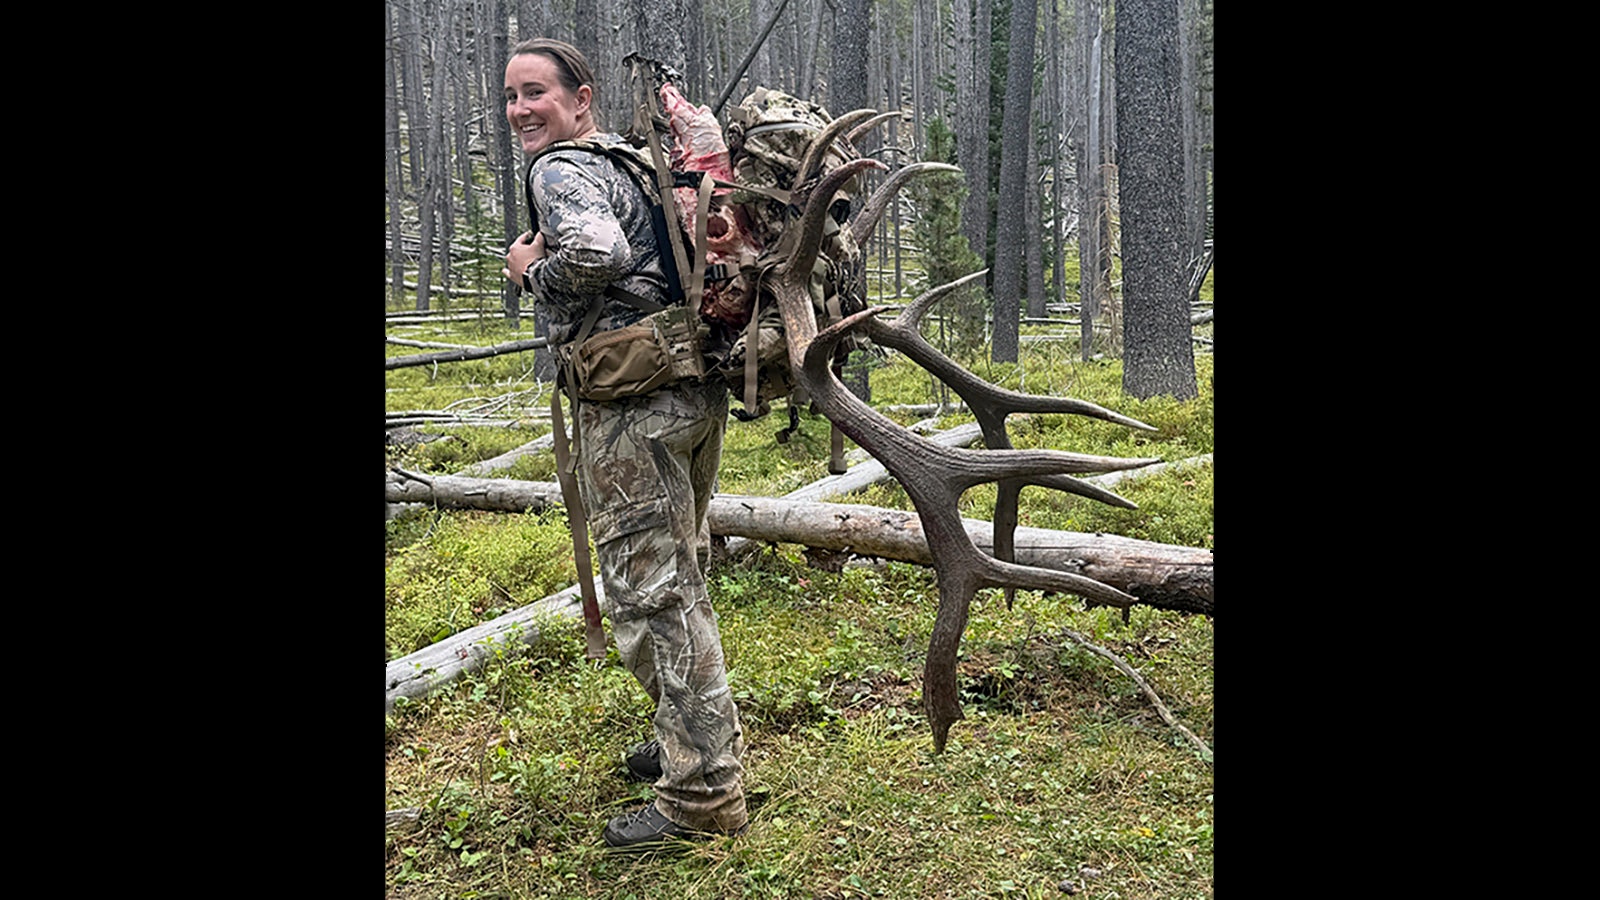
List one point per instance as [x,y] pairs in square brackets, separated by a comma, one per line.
[522,252]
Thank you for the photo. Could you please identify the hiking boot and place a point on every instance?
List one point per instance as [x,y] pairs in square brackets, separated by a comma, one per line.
[647,828]
[644,762]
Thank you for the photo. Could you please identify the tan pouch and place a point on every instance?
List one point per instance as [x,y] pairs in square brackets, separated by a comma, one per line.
[626,362]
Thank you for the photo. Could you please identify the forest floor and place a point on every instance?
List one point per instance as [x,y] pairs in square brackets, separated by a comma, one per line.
[1061,779]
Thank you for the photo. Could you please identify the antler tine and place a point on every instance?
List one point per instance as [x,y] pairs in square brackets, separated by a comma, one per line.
[816,209]
[817,150]
[969,467]
[867,219]
[985,399]
[910,318]
[856,134]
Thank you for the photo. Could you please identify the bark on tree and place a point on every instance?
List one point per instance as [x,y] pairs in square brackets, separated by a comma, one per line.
[439,141]
[972,118]
[851,35]
[411,50]
[533,20]
[1092,250]
[393,177]
[1011,228]
[1057,130]
[504,157]
[694,48]
[1158,355]
[851,31]
[425,136]
[1033,235]
[659,26]
[586,34]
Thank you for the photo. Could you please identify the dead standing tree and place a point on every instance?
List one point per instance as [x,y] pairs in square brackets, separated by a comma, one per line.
[934,477]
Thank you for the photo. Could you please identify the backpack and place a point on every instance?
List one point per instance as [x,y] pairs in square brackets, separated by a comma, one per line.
[731,198]
[749,232]
[767,136]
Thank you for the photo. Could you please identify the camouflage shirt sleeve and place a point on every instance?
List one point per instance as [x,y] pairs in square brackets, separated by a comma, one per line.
[597,229]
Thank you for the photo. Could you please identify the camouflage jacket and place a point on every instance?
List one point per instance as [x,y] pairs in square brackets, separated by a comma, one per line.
[597,223]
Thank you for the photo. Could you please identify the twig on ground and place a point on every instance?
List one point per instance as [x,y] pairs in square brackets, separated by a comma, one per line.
[1149,692]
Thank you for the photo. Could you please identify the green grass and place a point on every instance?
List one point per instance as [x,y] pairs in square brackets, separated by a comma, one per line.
[1060,763]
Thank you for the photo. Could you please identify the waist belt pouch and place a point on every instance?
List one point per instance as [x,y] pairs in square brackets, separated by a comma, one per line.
[626,362]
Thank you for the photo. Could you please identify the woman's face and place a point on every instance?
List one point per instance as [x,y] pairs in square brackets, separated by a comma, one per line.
[540,109]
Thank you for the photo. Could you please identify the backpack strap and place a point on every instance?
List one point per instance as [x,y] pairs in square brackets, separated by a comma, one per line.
[566,464]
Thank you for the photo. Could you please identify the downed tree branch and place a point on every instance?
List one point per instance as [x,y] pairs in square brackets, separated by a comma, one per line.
[423,317]
[1160,575]
[423,359]
[401,818]
[417,674]
[1149,692]
[426,345]
[1110,478]
[506,459]
[448,420]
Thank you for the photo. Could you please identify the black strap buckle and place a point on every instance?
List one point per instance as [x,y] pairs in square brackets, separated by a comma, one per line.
[690,179]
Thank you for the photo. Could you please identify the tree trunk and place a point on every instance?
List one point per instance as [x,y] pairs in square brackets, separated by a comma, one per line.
[393,180]
[586,35]
[1057,131]
[426,207]
[972,118]
[442,168]
[1033,235]
[505,174]
[1091,179]
[411,50]
[1012,226]
[1159,357]
[851,34]
[659,25]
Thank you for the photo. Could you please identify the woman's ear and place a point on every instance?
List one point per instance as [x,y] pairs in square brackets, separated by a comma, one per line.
[585,93]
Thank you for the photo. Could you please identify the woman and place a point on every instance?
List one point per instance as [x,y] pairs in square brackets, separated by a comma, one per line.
[646,464]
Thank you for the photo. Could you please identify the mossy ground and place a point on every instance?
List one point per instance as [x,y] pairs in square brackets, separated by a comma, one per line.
[1060,763]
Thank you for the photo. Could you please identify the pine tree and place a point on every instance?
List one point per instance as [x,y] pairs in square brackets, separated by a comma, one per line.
[946,255]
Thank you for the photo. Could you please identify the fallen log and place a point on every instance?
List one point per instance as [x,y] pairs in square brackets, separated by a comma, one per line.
[423,359]
[422,672]
[1161,575]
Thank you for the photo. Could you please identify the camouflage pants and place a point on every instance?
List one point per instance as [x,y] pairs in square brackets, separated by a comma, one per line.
[647,467]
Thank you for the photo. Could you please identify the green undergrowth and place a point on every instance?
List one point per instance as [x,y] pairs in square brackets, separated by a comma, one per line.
[1060,763]
[1061,769]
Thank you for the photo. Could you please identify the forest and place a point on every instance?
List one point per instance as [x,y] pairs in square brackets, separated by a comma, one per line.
[1069,258]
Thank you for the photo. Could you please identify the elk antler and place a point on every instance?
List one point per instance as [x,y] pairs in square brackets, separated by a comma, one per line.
[933,476]
[990,404]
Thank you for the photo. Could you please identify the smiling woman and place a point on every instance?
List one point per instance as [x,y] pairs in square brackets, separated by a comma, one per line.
[645,458]
[549,95]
